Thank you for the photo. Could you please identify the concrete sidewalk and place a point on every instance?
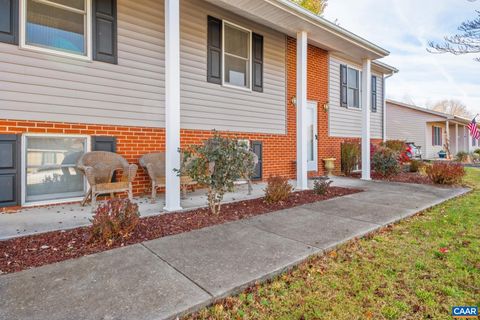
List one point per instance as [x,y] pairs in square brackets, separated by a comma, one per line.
[171,276]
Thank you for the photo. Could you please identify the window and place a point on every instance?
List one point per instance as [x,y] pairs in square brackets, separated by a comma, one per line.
[50,167]
[374,94]
[474,142]
[353,88]
[437,136]
[350,87]
[236,56]
[60,26]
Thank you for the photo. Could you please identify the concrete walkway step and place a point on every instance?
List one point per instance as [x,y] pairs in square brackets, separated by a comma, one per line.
[171,276]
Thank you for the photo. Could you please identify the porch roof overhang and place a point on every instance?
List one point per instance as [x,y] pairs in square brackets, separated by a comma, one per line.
[289,18]
[384,68]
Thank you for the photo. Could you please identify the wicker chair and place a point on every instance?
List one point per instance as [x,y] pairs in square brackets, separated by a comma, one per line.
[154,164]
[99,168]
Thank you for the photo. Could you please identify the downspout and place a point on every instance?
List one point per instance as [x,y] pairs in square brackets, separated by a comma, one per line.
[384,98]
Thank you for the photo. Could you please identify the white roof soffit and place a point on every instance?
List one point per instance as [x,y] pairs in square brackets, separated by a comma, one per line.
[289,18]
[384,68]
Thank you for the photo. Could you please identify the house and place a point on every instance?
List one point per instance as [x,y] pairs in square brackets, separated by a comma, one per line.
[141,76]
[431,130]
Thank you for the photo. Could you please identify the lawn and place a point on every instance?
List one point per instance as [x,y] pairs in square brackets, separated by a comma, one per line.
[417,269]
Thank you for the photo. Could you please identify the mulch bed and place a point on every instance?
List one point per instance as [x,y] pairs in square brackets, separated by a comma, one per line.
[33,251]
[406,177]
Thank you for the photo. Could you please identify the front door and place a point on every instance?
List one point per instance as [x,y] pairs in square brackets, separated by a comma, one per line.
[312,136]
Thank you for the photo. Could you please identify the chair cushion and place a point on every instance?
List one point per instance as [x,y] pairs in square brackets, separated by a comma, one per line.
[112,186]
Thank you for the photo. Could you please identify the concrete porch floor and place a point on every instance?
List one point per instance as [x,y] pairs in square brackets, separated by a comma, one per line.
[68,216]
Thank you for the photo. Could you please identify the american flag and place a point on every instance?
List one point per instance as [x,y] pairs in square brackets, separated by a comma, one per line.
[473,128]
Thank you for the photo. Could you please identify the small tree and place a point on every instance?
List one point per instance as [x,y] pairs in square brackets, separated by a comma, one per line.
[217,164]
[315,6]
[453,107]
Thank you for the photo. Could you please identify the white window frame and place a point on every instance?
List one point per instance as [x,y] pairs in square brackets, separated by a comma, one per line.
[250,76]
[24,169]
[360,85]
[88,36]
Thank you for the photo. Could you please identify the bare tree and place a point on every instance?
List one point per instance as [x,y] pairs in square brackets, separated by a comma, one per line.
[453,107]
[315,6]
[465,42]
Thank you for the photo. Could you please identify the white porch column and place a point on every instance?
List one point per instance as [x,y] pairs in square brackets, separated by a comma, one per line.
[465,139]
[366,107]
[469,139]
[172,104]
[448,142]
[456,139]
[302,177]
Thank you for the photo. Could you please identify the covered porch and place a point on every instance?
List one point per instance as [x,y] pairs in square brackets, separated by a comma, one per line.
[451,136]
[34,220]
[294,21]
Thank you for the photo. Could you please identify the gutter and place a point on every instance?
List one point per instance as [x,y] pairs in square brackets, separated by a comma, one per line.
[323,23]
[385,77]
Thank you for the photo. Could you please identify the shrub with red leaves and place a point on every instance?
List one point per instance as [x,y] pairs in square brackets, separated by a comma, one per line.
[385,162]
[403,157]
[446,173]
[114,221]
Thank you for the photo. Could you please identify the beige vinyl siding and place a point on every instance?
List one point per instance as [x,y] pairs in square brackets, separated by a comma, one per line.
[207,105]
[37,86]
[347,122]
[431,151]
[411,125]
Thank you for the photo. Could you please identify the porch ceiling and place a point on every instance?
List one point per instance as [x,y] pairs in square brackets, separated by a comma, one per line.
[289,18]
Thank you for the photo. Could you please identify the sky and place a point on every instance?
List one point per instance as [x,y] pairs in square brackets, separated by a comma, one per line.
[404,27]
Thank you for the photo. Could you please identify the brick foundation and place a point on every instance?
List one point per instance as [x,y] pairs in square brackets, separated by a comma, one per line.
[278,149]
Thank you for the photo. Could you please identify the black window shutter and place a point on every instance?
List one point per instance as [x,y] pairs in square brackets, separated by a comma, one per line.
[105,31]
[257,60]
[257,148]
[104,143]
[214,50]
[10,153]
[374,94]
[343,85]
[9,21]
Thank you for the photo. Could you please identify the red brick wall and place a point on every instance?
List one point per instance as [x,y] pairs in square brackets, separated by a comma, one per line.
[278,149]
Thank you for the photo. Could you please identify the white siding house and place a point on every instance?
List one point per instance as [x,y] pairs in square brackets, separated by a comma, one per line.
[428,129]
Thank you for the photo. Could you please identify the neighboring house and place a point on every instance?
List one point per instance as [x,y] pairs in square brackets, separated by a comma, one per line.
[141,76]
[431,130]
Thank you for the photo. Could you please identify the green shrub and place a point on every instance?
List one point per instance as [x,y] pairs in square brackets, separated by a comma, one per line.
[278,189]
[446,173]
[475,157]
[350,155]
[114,221]
[398,146]
[477,151]
[415,165]
[321,185]
[462,156]
[217,164]
[385,162]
